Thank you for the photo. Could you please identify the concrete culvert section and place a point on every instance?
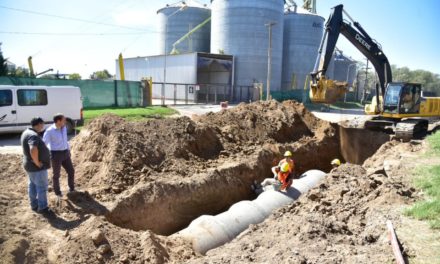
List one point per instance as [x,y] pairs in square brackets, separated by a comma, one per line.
[208,232]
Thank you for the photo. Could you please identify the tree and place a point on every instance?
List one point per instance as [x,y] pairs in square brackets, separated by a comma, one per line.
[430,81]
[74,76]
[101,75]
[3,65]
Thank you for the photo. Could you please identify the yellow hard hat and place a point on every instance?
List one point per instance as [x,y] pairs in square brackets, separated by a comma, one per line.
[288,154]
[336,162]
[285,167]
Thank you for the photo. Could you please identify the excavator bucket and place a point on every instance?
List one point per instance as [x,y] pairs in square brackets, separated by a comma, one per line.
[327,91]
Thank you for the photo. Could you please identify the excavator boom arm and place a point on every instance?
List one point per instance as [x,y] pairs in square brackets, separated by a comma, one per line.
[335,26]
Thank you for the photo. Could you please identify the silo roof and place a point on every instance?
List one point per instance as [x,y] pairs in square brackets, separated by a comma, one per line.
[190,3]
[301,11]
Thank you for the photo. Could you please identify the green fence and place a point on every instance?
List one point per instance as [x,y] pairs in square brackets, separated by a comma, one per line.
[280,96]
[303,96]
[95,93]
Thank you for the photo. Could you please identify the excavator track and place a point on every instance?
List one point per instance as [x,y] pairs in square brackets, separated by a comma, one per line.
[411,129]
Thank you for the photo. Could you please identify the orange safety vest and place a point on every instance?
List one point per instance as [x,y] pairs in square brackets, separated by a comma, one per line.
[291,164]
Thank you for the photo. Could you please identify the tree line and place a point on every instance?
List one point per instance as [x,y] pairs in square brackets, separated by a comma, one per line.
[430,81]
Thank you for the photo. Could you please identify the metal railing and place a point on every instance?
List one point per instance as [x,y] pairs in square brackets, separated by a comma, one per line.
[184,93]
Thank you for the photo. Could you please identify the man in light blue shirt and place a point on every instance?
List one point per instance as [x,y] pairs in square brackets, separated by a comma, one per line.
[56,140]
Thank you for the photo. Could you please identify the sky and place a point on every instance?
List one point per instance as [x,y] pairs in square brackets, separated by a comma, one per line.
[84,36]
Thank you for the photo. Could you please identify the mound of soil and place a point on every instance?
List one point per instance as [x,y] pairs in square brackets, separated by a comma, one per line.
[113,154]
[266,122]
[97,241]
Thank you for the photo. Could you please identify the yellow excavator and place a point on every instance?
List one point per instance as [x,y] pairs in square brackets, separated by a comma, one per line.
[398,107]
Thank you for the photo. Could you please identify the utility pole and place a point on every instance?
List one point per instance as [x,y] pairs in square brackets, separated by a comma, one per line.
[269,59]
[365,85]
[357,85]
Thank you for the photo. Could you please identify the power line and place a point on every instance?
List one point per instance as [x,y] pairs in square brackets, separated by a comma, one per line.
[72,33]
[69,18]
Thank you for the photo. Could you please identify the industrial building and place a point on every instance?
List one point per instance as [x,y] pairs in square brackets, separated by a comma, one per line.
[196,77]
[228,45]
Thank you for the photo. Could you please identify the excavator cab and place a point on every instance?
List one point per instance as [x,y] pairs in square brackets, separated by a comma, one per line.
[400,111]
[402,98]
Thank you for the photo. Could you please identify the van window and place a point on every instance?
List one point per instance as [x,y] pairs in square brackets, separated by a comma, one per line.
[32,97]
[5,97]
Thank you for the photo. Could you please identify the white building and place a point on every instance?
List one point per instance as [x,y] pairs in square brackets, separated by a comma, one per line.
[197,77]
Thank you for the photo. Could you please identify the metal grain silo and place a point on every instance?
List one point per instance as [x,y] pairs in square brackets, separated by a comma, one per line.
[302,36]
[342,68]
[179,24]
[238,28]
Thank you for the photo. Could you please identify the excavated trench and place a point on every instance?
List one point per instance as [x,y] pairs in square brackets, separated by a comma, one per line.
[160,175]
[166,207]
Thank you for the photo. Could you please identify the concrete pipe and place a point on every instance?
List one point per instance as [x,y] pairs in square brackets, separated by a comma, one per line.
[208,232]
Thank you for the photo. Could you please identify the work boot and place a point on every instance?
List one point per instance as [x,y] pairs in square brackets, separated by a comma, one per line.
[47,213]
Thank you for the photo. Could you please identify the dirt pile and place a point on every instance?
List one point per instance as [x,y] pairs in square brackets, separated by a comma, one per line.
[114,154]
[266,122]
[97,241]
[341,221]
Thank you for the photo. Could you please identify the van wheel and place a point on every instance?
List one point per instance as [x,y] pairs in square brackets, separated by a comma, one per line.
[70,127]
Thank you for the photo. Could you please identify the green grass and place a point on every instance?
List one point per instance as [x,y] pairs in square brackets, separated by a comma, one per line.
[434,144]
[131,114]
[428,179]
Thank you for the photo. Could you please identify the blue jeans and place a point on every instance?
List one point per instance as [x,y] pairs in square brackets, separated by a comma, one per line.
[38,189]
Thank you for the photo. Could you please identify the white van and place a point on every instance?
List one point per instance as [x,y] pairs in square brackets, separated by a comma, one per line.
[19,104]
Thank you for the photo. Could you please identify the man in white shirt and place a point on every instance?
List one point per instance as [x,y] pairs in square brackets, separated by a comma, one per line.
[56,140]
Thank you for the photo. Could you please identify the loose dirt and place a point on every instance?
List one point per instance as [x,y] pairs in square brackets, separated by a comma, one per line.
[149,179]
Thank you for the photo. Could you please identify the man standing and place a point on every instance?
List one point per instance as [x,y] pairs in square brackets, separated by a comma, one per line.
[55,138]
[36,161]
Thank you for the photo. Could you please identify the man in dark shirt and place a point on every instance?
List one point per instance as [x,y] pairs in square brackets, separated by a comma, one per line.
[36,161]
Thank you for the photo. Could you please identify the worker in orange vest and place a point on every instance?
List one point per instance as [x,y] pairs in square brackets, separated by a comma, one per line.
[289,160]
[281,180]
[285,175]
